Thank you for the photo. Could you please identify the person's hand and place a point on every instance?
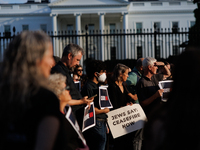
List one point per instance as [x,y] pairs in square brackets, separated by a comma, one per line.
[86,100]
[106,110]
[130,103]
[160,92]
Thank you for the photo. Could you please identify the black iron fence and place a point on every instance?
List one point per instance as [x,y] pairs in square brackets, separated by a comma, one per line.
[117,44]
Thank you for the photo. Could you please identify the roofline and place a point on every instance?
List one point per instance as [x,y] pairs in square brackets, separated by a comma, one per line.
[67,6]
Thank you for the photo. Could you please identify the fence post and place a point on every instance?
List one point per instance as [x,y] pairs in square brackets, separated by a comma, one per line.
[86,38]
[155,41]
[14,31]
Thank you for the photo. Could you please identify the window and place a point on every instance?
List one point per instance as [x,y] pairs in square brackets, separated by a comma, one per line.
[112,28]
[7,30]
[157,25]
[90,28]
[139,27]
[25,27]
[139,51]
[70,28]
[43,27]
[192,23]
[113,53]
[175,26]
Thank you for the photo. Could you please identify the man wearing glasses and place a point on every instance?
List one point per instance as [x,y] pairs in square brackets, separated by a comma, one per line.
[149,93]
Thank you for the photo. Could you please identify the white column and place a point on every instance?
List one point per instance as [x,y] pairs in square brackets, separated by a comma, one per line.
[54,26]
[101,27]
[78,27]
[125,27]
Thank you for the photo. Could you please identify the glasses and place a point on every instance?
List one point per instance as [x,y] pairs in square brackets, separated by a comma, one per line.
[67,88]
[80,70]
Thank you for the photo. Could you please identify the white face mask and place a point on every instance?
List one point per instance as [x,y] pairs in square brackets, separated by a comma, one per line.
[102,77]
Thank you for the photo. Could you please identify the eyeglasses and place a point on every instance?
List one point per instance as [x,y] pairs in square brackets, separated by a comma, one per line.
[80,70]
[67,88]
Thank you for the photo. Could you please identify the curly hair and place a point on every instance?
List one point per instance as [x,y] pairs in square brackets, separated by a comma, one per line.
[19,72]
[55,83]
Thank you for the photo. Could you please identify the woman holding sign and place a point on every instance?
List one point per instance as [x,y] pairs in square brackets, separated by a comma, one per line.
[120,97]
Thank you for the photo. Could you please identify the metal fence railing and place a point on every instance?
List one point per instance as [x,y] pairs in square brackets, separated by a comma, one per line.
[117,44]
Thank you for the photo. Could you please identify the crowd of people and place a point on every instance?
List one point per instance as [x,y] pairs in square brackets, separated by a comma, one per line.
[41,107]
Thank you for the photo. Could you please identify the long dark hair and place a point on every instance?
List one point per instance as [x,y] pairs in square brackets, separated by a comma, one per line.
[19,73]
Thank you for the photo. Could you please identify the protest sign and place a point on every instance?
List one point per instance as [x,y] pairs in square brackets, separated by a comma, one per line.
[126,120]
[167,86]
[89,120]
[104,100]
[72,120]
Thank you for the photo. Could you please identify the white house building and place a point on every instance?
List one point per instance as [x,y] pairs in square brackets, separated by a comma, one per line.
[101,15]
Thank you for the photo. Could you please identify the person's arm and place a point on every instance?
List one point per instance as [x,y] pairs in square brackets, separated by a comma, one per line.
[166,72]
[149,100]
[47,133]
[134,97]
[101,111]
[84,100]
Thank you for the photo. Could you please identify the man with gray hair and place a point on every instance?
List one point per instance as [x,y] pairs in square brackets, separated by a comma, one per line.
[149,94]
[71,57]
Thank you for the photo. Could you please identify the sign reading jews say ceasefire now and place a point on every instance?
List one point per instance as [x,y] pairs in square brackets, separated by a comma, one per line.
[126,119]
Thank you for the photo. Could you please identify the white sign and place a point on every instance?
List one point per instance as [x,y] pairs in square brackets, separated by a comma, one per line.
[126,119]
[167,86]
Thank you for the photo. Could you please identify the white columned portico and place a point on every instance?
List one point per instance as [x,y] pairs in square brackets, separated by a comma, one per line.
[101,27]
[54,26]
[125,27]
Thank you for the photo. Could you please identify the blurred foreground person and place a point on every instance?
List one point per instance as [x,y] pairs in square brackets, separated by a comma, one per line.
[29,113]
[71,132]
[174,126]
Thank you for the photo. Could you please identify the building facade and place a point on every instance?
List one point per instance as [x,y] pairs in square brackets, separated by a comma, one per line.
[102,16]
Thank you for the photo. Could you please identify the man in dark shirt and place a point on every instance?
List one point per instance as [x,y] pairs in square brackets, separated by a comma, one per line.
[149,94]
[96,136]
[71,57]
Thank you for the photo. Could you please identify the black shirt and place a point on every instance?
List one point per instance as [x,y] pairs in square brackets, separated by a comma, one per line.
[147,88]
[90,89]
[117,98]
[75,94]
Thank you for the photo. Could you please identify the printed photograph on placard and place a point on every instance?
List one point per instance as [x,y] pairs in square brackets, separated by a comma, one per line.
[167,86]
[104,100]
[72,120]
[89,117]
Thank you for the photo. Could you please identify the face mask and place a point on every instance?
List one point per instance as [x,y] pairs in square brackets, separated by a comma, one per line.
[102,77]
